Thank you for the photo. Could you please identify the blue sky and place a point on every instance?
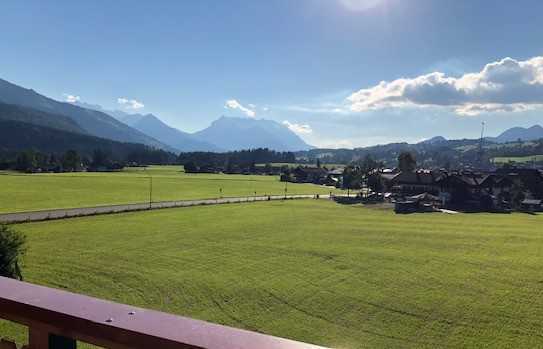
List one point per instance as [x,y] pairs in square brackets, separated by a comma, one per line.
[315,65]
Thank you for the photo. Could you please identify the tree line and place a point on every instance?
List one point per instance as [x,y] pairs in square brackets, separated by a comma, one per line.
[233,161]
[70,161]
[105,159]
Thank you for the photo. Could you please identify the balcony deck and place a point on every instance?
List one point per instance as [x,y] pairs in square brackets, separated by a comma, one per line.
[57,319]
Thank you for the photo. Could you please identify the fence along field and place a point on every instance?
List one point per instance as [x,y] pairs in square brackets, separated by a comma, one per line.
[30,192]
[310,270]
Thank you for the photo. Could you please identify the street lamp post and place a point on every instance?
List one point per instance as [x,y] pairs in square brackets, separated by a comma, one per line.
[150,189]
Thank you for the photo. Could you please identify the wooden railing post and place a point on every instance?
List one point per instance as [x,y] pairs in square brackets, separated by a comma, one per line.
[59,342]
[37,338]
[41,339]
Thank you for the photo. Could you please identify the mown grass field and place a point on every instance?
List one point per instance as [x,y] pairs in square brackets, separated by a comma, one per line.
[29,192]
[315,271]
[518,159]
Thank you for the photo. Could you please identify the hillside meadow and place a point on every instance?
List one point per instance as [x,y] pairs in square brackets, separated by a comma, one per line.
[518,159]
[310,270]
[29,192]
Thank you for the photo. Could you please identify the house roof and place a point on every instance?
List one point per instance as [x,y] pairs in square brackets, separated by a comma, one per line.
[336,172]
[424,197]
[314,170]
[531,202]
[417,177]
[469,178]
[388,176]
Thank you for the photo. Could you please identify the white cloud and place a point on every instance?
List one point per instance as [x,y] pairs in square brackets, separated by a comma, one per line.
[318,109]
[71,98]
[507,85]
[298,128]
[476,109]
[130,104]
[234,104]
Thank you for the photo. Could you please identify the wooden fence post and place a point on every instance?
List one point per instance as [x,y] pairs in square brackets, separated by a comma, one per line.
[41,339]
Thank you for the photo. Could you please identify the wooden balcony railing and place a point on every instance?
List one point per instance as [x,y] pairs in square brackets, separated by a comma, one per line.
[58,319]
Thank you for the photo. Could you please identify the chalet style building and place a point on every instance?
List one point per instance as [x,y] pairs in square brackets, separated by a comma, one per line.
[412,183]
[309,174]
[315,175]
[467,189]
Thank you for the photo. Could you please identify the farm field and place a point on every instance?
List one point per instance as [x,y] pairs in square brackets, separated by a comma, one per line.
[311,270]
[29,192]
[519,159]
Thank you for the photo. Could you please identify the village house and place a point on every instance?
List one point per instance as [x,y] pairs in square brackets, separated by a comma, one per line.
[316,175]
[467,189]
[530,179]
[412,183]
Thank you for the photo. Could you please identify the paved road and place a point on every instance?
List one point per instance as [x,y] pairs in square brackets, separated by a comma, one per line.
[34,216]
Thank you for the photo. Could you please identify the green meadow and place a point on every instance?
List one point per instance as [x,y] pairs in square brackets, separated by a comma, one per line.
[29,192]
[310,270]
[518,159]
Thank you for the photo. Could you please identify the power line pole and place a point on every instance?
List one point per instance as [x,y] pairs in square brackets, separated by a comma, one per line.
[150,189]
[151,192]
[481,140]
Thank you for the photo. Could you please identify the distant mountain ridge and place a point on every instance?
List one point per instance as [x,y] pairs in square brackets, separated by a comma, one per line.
[525,134]
[90,121]
[18,136]
[233,133]
[434,140]
[153,126]
[14,112]
[224,134]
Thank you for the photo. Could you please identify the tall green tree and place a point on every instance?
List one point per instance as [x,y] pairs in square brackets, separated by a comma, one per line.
[407,162]
[368,164]
[352,177]
[26,161]
[100,158]
[71,160]
[12,249]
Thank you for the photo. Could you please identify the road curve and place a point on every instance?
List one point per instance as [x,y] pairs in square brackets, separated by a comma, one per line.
[34,216]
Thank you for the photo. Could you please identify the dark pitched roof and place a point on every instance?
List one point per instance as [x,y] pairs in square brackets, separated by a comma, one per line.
[314,170]
[336,172]
[531,202]
[421,177]
[388,176]
[424,197]
[469,178]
